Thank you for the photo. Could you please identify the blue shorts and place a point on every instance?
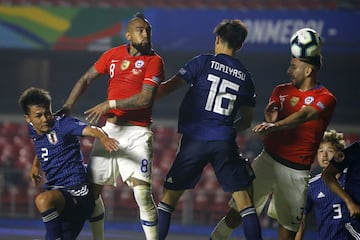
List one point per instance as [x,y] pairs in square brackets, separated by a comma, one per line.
[233,172]
[353,228]
[79,206]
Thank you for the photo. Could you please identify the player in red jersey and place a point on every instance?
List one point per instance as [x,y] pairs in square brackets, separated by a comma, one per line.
[296,117]
[134,71]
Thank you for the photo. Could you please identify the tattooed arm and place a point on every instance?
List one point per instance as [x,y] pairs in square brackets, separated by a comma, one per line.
[79,88]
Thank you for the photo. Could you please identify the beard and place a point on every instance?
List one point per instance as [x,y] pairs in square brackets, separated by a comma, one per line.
[143,48]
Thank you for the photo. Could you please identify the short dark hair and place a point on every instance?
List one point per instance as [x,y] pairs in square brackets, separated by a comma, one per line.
[315,61]
[233,32]
[34,96]
[141,16]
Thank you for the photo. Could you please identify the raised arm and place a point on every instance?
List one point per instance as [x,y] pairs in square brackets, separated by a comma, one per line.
[167,87]
[305,114]
[79,88]
[138,101]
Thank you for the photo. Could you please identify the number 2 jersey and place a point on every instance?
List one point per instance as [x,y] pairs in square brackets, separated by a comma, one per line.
[59,153]
[223,84]
[127,74]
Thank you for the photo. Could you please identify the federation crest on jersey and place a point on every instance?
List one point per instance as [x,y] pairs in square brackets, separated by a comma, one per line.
[294,101]
[139,64]
[309,100]
[124,65]
[52,137]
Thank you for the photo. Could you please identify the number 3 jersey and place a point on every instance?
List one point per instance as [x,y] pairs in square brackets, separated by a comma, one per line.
[331,212]
[219,86]
[59,153]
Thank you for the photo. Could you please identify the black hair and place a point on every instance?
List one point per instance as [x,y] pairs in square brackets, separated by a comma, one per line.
[139,15]
[315,61]
[34,96]
[233,32]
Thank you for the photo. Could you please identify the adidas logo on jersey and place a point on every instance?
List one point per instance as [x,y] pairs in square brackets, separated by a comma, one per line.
[169,180]
[320,195]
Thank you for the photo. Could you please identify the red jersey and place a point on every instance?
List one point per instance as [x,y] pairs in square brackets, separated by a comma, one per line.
[299,144]
[127,75]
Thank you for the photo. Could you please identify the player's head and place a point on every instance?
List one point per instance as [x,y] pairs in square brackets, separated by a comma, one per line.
[36,105]
[332,142]
[314,62]
[138,33]
[231,33]
[301,73]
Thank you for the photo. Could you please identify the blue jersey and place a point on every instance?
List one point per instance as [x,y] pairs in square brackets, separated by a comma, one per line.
[331,211]
[219,85]
[59,153]
[352,182]
[352,163]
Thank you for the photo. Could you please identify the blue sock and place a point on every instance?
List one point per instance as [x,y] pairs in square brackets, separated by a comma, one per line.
[251,224]
[52,222]
[164,211]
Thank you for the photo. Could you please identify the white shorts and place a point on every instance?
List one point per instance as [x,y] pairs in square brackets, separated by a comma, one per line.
[284,187]
[133,159]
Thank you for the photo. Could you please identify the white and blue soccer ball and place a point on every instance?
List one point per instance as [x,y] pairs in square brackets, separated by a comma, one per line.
[305,43]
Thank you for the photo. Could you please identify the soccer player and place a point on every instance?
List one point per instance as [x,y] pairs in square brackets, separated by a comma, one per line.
[134,71]
[347,158]
[296,118]
[331,212]
[68,200]
[219,103]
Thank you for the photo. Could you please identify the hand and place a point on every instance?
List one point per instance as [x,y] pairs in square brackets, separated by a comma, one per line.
[263,128]
[354,209]
[95,113]
[271,112]
[110,144]
[35,175]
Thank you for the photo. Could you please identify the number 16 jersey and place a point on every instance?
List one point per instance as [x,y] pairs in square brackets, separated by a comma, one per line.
[224,84]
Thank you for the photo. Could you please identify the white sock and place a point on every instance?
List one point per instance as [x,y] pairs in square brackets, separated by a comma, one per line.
[97,220]
[148,211]
[221,231]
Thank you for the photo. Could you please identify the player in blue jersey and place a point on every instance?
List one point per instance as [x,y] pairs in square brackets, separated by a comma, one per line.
[219,103]
[348,158]
[331,212]
[67,201]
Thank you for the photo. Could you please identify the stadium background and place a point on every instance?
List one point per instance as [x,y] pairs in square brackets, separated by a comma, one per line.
[50,43]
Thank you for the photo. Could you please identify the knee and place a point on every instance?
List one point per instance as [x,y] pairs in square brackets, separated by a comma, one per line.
[44,201]
[50,199]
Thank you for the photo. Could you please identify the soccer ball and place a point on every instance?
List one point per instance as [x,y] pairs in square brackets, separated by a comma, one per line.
[305,43]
